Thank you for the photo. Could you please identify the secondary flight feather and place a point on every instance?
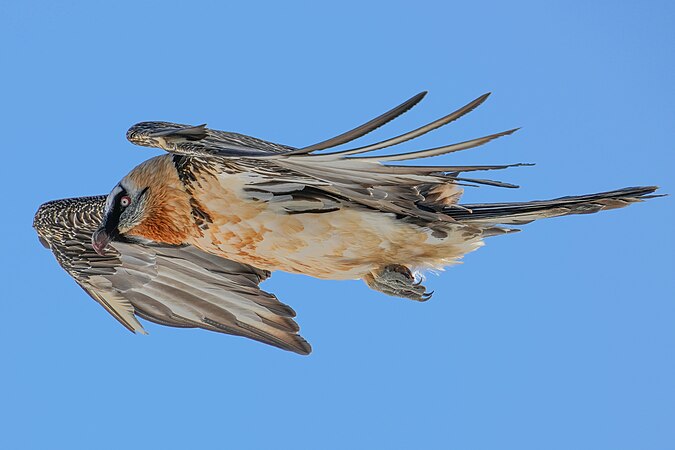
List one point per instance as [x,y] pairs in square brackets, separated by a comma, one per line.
[185,238]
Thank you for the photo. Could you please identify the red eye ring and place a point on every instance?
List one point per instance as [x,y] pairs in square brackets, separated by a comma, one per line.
[125,201]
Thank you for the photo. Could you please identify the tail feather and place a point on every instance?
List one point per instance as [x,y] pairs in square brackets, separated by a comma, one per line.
[525,212]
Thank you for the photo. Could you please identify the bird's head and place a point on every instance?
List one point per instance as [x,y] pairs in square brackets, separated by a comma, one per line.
[150,203]
[125,209]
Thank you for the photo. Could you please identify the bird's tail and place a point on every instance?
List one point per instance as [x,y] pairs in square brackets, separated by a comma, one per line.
[525,212]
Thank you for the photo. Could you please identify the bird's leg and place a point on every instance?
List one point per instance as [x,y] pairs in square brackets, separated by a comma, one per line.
[398,281]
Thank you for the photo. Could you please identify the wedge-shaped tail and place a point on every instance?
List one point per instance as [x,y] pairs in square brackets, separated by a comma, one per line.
[525,212]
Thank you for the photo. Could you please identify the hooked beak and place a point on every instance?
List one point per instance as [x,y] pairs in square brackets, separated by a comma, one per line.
[99,240]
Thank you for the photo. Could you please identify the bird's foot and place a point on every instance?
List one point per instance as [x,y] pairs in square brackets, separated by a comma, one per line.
[398,281]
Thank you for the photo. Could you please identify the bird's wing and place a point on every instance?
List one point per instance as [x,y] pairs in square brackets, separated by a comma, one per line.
[302,180]
[363,129]
[202,141]
[175,286]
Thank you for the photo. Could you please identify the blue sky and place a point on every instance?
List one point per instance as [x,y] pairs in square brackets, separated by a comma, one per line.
[555,338]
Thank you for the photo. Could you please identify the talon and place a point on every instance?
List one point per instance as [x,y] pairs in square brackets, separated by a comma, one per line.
[398,281]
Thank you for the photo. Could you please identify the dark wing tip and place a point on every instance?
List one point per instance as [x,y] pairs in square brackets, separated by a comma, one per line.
[363,129]
[301,346]
[643,192]
[418,97]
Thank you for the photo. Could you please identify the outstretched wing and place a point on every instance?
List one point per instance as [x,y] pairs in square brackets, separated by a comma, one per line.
[301,180]
[174,286]
[201,141]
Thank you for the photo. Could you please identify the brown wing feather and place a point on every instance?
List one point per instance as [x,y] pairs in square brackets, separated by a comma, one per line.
[176,286]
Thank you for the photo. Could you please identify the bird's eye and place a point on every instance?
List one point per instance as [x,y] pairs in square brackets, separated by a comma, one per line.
[125,201]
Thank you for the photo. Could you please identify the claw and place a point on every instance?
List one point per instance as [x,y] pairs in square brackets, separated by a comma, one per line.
[398,281]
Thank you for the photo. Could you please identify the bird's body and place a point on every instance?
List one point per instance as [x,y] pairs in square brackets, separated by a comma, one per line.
[185,238]
[347,241]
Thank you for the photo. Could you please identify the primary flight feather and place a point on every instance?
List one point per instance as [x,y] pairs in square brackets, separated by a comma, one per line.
[185,238]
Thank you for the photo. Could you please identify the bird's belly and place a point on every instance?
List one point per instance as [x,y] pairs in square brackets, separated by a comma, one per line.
[344,244]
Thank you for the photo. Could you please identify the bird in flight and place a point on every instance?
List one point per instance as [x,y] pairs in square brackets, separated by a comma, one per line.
[185,238]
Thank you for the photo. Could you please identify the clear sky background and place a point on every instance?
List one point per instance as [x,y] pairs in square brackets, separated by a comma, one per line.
[560,337]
